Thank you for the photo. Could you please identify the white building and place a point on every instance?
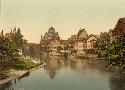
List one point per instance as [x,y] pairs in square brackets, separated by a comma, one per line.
[91,41]
[81,46]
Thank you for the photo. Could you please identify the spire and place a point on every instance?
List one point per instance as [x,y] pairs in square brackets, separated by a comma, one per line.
[2,33]
[80,28]
[14,30]
[41,37]
[11,31]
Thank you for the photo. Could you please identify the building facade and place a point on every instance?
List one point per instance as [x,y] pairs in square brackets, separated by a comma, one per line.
[50,42]
[91,41]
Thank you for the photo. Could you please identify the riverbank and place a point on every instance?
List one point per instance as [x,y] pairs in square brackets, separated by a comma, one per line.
[13,74]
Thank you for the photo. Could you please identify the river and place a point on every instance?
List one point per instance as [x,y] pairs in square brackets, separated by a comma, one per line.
[69,74]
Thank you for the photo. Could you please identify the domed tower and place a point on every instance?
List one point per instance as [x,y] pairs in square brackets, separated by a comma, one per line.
[82,34]
[51,31]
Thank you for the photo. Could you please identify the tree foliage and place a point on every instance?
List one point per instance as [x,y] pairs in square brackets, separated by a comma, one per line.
[7,51]
[18,38]
[114,52]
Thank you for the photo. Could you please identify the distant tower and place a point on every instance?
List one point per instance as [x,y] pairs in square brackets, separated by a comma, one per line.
[14,31]
[41,37]
[2,33]
[80,28]
[11,31]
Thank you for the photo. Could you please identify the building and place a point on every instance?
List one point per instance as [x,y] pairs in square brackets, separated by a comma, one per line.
[51,33]
[73,37]
[50,42]
[81,47]
[91,41]
[82,34]
[119,29]
[54,46]
[65,47]
[78,42]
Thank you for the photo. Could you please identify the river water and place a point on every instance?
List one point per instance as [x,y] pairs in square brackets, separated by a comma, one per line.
[69,74]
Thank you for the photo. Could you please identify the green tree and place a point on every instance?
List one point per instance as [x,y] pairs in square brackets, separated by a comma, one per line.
[7,51]
[115,52]
[18,38]
[101,42]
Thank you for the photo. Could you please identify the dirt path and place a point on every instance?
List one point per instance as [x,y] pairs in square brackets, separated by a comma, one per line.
[12,75]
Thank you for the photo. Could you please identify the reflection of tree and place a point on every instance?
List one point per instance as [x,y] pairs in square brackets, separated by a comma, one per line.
[24,76]
[52,74]
[66,62]
[73,64]
[117,82]
[6,86]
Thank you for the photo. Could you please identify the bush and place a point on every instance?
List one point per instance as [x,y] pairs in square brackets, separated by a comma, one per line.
[3,75]
[20,63]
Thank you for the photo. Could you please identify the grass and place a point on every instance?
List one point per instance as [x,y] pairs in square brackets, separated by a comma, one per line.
[18,64]
[24,64]
[3,75]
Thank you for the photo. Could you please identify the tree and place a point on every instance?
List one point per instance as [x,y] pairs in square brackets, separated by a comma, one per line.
[114,52]
[101,42]
[7,51]
[18,38]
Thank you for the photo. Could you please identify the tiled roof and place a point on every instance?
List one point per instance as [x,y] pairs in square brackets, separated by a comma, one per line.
[80,31]
[96,36]
[120,27]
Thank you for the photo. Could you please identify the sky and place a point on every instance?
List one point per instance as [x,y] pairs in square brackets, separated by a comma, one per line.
[35,17]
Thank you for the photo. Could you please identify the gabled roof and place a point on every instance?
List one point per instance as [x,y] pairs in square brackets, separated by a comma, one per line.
[80,31]
[120,27]
[96,36]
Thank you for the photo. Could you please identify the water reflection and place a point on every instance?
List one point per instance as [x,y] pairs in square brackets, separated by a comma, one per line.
[87,74]
[6,86]
[117,81]
[11,85]
[54,64]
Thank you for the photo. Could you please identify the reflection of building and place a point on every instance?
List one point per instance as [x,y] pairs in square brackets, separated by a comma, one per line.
[52,66]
